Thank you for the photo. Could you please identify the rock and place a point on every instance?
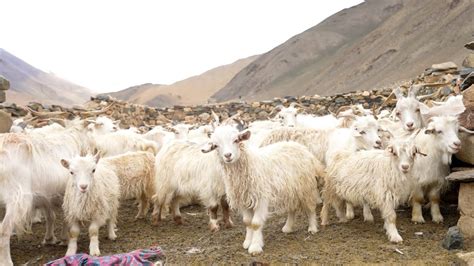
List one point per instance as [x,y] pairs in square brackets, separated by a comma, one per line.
[444,66]
[453,239]
[466,226]
[366,93]
[467,82]
[4,84]
[446,91]
[5,122]
[469,45]
[103,97]
[466,199]
[466,258]
[255,104]
[464,72]
[262,115]
[466,154]
[468,61]
[2,96]
[204,117]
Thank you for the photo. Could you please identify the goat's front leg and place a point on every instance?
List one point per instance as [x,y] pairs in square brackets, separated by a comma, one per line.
[6,230]
[213,222]
[226,213]
[50,217]
[434,197]
[390,217]
[247,215]
[416,201]
[94,238]
[349,211]
[368,217]
[290,220]
[74,231]
[258,221]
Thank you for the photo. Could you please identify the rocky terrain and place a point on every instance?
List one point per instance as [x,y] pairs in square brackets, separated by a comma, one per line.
[367,46]
[28,83]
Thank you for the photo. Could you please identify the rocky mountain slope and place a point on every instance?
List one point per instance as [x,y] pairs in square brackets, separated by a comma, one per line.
[369,45]
[28,83]
[191,91]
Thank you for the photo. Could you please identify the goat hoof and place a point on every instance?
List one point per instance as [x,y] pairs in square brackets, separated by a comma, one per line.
[178,220]
[51,241]
[396,239]
[255,250]
[229,224]
[312,230]
[214,227]
[438,219]
[418,220]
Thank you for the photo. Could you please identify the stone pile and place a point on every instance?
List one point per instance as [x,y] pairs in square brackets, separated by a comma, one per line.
[5,119]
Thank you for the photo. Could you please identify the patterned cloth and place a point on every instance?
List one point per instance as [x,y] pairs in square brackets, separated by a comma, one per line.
[134,258]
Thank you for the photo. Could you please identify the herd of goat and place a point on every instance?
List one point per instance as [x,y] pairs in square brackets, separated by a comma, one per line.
[356,158]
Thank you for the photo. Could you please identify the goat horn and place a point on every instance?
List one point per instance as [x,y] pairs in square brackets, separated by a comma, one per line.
[463,129]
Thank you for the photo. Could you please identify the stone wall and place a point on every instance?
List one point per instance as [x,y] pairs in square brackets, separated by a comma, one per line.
[5,119]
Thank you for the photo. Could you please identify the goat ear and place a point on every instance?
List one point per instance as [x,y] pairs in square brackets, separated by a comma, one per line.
[98,124]
[97,157]
[211,147]
[398,93]
[244,135]
[424,109]
[65,163]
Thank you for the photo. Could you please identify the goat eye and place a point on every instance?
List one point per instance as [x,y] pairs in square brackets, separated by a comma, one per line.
[72,173]
[235,141]
[417,110]
[398,113]
[93,170]
[439,132]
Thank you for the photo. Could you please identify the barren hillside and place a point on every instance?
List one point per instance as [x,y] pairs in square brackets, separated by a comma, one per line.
[31,84]
[372,44]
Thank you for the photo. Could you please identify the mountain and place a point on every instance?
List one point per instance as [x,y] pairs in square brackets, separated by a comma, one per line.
[191,91]
[28,83]
[373,44]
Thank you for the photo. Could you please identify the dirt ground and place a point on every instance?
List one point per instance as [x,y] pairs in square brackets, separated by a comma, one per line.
[354,242]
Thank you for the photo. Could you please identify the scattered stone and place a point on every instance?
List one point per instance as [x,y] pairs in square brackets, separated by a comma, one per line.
[444,66]
[419,233]
[468,61]
[5,122]
[468,81]
[204,117]
[454,239]
[469,45]
[464,72]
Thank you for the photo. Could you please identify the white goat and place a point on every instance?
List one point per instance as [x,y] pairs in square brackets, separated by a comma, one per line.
[183,172]
[439,141]
[136,173]
[281,175]
[92,195]
[378,178]
[123,141]
[31,177]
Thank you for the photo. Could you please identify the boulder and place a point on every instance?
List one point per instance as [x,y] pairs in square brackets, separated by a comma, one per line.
[444,66]
[4,84]
[466,199]
[453,239]
[5,122]
[2,96]
[466,226]
[466,154]
[468,61]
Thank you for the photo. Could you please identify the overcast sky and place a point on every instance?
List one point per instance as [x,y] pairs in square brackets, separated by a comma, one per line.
[109,45]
